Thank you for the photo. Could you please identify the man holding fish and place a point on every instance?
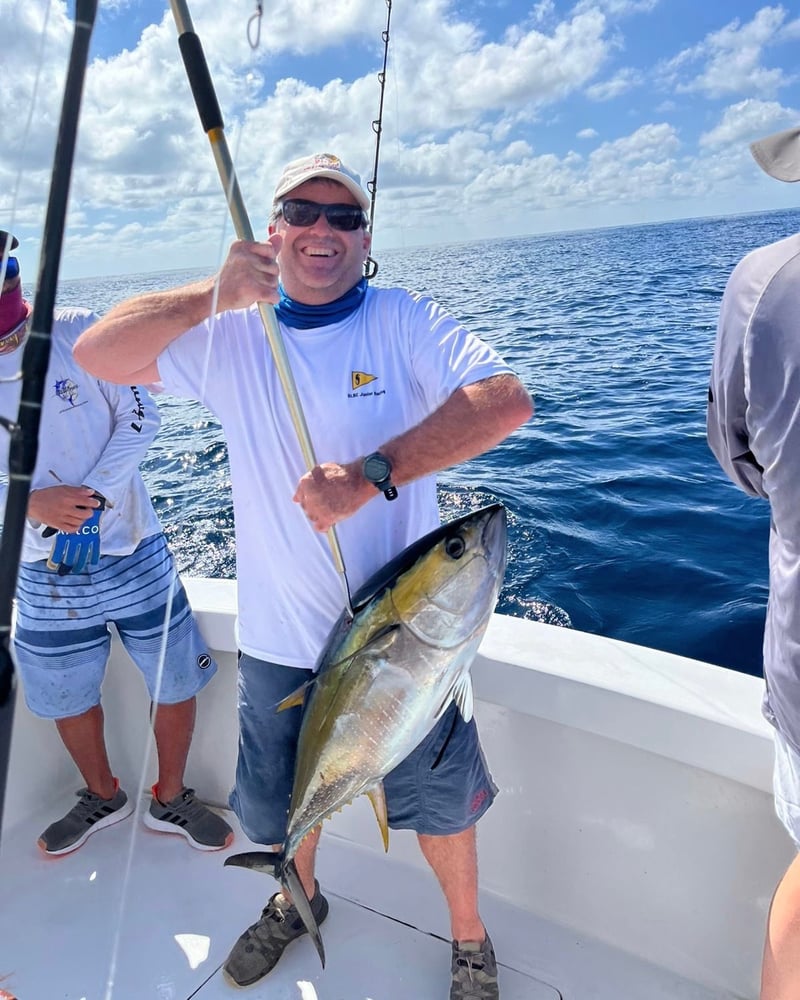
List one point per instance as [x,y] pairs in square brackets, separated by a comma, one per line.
[393,390]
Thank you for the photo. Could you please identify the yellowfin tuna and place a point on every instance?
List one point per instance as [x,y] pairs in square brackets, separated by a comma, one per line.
[386,676]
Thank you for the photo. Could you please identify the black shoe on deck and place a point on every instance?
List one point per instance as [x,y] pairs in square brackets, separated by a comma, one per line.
[257,951]
[474,971]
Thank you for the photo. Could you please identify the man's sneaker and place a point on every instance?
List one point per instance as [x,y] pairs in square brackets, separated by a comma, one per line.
[186,815]
[257,951]
[89,815]
[474,971]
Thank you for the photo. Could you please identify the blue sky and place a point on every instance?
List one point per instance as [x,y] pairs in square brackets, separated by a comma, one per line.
[500,118]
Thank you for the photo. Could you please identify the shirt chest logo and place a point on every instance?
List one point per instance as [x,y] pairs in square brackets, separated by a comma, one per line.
[67,391]
[358,380]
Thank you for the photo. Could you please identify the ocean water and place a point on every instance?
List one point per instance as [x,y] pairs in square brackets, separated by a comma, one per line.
[620,521]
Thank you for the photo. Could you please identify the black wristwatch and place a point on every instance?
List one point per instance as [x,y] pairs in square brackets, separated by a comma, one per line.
[377,470]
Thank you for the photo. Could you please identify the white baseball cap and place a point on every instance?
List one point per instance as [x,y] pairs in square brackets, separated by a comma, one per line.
[320,165]
[779,154]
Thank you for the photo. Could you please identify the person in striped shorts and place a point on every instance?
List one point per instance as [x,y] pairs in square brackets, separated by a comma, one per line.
[94,554]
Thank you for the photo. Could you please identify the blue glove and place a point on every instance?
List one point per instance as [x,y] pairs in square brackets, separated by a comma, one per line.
[74,551]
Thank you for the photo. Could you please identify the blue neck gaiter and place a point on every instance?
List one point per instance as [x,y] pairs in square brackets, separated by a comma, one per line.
[304,317]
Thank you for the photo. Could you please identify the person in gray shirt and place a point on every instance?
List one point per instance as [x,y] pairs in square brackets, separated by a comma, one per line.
[754,432]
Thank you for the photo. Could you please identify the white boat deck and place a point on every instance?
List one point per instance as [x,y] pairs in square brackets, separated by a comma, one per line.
[631,854]
[135,915]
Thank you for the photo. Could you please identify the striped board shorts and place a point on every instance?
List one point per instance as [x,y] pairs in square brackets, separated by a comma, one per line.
[62,638]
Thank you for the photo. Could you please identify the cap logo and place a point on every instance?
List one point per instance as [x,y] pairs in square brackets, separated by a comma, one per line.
[326,161]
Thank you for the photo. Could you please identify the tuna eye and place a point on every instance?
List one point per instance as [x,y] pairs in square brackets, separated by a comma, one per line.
[455,547]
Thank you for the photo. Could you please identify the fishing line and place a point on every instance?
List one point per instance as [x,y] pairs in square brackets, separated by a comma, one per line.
[35,359]
[149,731]
[135,831]
[24,433]
[24,438]
[9,224]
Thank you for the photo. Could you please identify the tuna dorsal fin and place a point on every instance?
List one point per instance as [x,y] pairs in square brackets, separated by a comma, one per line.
[462,696]
[378,800]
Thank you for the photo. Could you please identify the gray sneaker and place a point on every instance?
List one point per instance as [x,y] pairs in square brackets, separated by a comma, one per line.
[257,951]
[186,815]
[474,971]
[89,815]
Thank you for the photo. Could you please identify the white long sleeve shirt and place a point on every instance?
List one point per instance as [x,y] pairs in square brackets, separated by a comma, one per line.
[91,433]
[754,432]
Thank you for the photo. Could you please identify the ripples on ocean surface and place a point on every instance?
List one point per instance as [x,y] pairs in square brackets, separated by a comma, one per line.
[621,523]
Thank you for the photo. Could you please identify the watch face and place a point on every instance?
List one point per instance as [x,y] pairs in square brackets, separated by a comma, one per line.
[377,468]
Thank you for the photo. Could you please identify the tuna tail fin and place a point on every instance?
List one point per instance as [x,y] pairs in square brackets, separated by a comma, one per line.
[294,887]
[269,862]
[273,863]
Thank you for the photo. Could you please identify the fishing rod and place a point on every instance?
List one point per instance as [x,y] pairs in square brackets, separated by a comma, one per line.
[205,98]
[371,266]
[24,445]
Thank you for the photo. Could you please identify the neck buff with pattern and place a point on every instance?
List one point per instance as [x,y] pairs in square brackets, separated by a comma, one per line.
[303,317]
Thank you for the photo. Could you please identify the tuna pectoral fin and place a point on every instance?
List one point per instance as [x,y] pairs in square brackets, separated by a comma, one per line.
[273,863]
[462,696]
[378,800]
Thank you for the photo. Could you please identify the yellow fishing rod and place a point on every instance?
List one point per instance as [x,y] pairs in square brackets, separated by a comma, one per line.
[205,98]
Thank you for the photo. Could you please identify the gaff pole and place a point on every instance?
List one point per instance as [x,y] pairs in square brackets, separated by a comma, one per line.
[205,98]
[24,433]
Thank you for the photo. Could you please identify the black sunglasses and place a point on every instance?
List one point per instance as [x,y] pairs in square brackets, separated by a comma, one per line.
[299,212]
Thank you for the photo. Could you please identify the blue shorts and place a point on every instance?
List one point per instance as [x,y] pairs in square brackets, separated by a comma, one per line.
[62,639]
[443,787]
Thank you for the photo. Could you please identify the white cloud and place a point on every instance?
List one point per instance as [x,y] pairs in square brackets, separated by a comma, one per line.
[618,8]
[622,81]
[748,120]
[733,58]
[478,122]
[449,77]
